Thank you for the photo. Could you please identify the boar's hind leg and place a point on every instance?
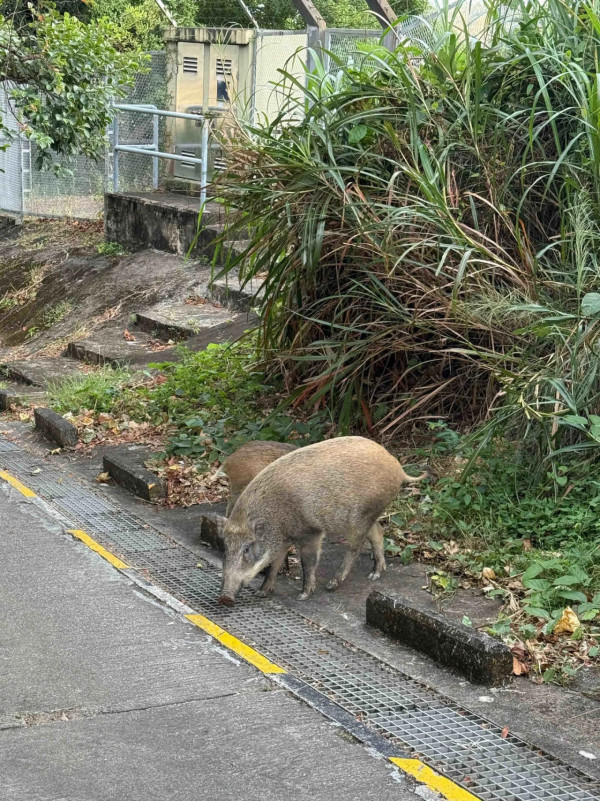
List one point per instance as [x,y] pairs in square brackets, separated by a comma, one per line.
[375,537]
[268,584]
[354,544]
[310,553]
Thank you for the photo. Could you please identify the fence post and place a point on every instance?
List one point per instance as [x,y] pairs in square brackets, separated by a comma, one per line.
[115,151]
[155,145]
[204,156]
[315,29]
[386,16]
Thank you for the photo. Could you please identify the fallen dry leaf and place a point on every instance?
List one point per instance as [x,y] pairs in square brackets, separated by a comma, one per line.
[128,336]
[488,573]
[504,734]
[527,545]
[568,622]
[102,478]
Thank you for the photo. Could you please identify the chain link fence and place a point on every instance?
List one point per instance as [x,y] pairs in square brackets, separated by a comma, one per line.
[277,53]
[11,163]
[77,189]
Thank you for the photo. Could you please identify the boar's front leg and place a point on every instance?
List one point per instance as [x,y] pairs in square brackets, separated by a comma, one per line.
[310,553]
[268,584]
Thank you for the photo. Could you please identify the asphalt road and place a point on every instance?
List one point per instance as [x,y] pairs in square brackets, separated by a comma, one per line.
[105,694]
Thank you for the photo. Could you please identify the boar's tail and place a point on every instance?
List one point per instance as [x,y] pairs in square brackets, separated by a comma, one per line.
[412,479]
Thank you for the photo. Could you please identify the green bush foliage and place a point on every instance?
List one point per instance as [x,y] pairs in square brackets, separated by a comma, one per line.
[65,75]
[431,233]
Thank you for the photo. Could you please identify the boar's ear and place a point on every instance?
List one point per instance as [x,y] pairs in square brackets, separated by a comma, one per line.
[258,525]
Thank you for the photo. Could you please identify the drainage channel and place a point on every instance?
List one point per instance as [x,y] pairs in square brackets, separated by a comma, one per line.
[413,721]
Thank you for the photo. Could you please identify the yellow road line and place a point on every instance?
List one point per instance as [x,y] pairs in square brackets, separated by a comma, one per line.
[14,482]
[237,646]
[433,780]
[95,546]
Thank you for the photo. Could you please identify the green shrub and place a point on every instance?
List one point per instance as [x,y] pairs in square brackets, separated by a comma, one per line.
[219,398]
[431,235]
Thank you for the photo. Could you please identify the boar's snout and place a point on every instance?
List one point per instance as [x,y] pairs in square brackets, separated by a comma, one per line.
[226,600]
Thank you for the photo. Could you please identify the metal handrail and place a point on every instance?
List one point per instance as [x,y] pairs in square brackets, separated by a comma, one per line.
[152,149]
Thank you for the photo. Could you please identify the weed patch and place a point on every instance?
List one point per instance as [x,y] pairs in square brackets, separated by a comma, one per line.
[529,538]
[56,313]
[111,249]
[207,403]
[104,390]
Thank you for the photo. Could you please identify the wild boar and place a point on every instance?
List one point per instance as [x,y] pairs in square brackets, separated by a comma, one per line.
[246,463]
[337,488]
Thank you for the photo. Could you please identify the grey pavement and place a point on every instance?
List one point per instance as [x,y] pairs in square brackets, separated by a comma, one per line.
[105,694]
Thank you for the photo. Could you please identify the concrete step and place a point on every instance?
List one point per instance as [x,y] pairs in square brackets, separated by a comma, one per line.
[229,292]
[109,346]
[230,248]
[14,393]
[160,220]
[179,321]
[42,371]
[227,332]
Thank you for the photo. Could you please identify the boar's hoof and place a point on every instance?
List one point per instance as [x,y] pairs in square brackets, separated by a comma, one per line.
[303,596]
[333,584]
[374,575]
[263,593]
[225,600]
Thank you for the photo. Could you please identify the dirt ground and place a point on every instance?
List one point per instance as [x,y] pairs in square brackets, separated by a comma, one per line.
[59,281]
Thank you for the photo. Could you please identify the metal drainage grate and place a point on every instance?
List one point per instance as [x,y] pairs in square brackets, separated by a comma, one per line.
[462,746]
[166,559]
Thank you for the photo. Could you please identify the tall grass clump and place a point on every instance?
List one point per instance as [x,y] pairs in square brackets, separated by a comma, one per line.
[429,220]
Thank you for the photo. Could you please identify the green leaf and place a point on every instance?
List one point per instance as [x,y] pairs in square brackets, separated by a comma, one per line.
[572,595]
[576,570]
[591,614]
[590,304]
[574,419]
[567,581]
[528,631]
[532,571]
[535,611]
[536,584]
[357,133]
[593,652]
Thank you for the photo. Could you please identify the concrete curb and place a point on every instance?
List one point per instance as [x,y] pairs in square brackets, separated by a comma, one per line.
[25,394]
[210,530]
[55,427]
[479,657]
[127,468]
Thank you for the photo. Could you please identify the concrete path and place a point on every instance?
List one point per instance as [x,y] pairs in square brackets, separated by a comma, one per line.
[104,694]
